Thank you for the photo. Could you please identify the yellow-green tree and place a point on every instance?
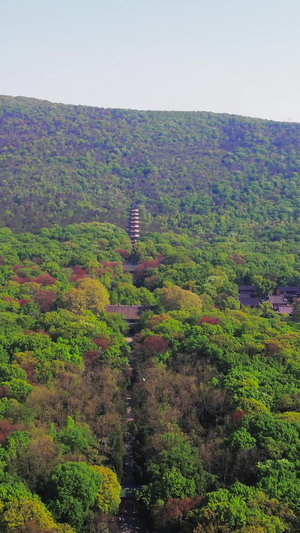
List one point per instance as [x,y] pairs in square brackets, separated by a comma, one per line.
[175,298]
[108,495]
[30,511]
[74,300]
[89,294]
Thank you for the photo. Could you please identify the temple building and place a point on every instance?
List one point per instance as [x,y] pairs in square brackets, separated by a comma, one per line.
[134,224]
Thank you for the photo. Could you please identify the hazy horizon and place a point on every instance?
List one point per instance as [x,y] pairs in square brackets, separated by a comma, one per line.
[184,55]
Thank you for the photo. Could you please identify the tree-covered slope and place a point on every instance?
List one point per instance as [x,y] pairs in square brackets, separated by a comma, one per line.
[214,389]
[213,173]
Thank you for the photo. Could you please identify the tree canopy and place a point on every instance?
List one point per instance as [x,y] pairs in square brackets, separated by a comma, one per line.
[215,386]
[205,172]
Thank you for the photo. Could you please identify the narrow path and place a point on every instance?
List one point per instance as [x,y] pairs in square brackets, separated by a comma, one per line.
[130,520]
[129,442]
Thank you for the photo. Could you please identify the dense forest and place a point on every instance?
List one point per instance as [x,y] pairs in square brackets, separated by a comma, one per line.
[216,389]
[203,172]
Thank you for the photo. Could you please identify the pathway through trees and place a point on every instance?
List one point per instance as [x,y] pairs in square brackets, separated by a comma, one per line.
[130,521]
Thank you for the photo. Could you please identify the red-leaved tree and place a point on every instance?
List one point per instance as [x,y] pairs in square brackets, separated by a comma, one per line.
[24,301]
[6,429]
[101,343]
[154,345]
[90,358]
[123,253]
[45,299]
[44,279]
[208,320]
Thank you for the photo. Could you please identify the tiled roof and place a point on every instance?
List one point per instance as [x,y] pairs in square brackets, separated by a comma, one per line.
[247,288]
[130,312]
[285,309]
[251,302]
[278,300]
[292,290]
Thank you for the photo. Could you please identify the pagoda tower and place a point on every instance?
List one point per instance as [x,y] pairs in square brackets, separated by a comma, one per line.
[134,224]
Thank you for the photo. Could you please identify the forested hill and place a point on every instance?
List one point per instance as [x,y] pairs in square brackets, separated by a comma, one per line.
[206,172]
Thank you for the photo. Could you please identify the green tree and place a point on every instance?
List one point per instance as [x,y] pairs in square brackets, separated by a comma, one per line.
[241,509]
[76,437]
[172,484]
[241,439]
[280,479]
[73,490]
[296,310]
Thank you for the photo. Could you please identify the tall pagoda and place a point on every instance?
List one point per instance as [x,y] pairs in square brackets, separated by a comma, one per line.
[134,224]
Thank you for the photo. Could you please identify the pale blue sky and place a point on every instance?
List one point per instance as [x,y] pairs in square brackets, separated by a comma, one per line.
[231,56]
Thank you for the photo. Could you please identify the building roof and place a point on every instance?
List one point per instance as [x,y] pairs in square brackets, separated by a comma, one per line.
[130,312]
[247,288]
[251,302]
[291,290]
[279,300]
[285,309]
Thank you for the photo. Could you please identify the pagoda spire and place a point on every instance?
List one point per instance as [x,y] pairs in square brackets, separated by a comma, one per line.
[134,224]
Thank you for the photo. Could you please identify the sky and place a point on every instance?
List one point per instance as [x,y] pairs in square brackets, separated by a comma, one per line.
[227,56]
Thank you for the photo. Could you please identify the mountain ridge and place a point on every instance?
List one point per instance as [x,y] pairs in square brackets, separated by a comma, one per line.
[234,115]
[206,172]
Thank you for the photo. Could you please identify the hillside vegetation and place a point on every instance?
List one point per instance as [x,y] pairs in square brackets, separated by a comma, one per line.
[205,172]
[215,389]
